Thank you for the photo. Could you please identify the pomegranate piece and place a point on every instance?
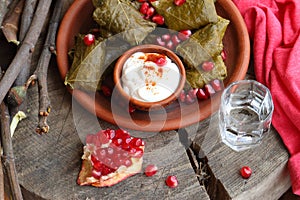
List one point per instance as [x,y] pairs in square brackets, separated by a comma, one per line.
[184,34]
[179,2]
[158,19]
[207,66]
[245,172]
[110,156]
[144,8]
[150,170]
[172,181]
[89,39]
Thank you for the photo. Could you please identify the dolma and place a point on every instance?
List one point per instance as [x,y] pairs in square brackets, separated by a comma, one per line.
[119,16]
[87,66]
[190,15]
[204,45]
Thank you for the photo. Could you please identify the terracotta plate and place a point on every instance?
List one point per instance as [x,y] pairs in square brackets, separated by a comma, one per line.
[236,44]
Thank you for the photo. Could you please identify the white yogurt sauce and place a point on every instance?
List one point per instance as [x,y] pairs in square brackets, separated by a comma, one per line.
[144,80]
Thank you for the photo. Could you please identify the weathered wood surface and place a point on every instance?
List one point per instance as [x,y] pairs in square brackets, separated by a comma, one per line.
[48,165]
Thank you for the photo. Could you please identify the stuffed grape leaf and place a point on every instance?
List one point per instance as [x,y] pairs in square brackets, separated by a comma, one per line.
[120,16]
[91,64]
[86,70]
[204,45]
[190,15]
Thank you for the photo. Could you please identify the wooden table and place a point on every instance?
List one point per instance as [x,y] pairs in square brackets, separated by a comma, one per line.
[48,165]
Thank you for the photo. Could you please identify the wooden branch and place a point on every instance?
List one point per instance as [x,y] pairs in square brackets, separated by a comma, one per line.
[42,69]
[27,16]
[2,190]
[8,156]
[11,23]
[26,48]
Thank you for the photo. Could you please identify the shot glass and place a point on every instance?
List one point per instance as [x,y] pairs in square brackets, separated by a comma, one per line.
[245,114]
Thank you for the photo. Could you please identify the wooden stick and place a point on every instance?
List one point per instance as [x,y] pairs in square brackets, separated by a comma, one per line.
[2,190]
[26,48]
[26,20]
[11,23]
[42,69]
[8,156]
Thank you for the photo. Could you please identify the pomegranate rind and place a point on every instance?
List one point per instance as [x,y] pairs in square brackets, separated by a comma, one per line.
[85,175]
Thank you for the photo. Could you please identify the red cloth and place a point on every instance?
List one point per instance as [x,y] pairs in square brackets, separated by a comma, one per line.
[274,29]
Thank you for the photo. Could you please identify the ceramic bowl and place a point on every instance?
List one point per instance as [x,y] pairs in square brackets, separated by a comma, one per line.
[149,48]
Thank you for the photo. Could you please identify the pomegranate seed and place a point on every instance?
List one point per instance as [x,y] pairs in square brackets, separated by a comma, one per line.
[224,55]
[110,134]
[150,170]
[216,84]
[161,61]
[166,37]
[179,2]
[144,8]
[136,142]
[98,165]
[139,153]
[201,94]
[100,153]
[150,13]
[182,96]
[184,34]
[128,162]
[193,93]
[246,172]
[175,40]
[172,181]
[117,141]
[189,99]
[207,66]
[89,39]
[170,45]
[125,146]
[131,109]
[209,90]
[158,19]
[160,41]
[96,174]
[110,151]
[102,139]
[106,90]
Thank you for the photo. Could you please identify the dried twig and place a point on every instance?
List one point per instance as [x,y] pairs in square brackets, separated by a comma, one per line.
[26,19]
[2,191]
[8,156]
[11,23]
[42,69]
[26,48]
